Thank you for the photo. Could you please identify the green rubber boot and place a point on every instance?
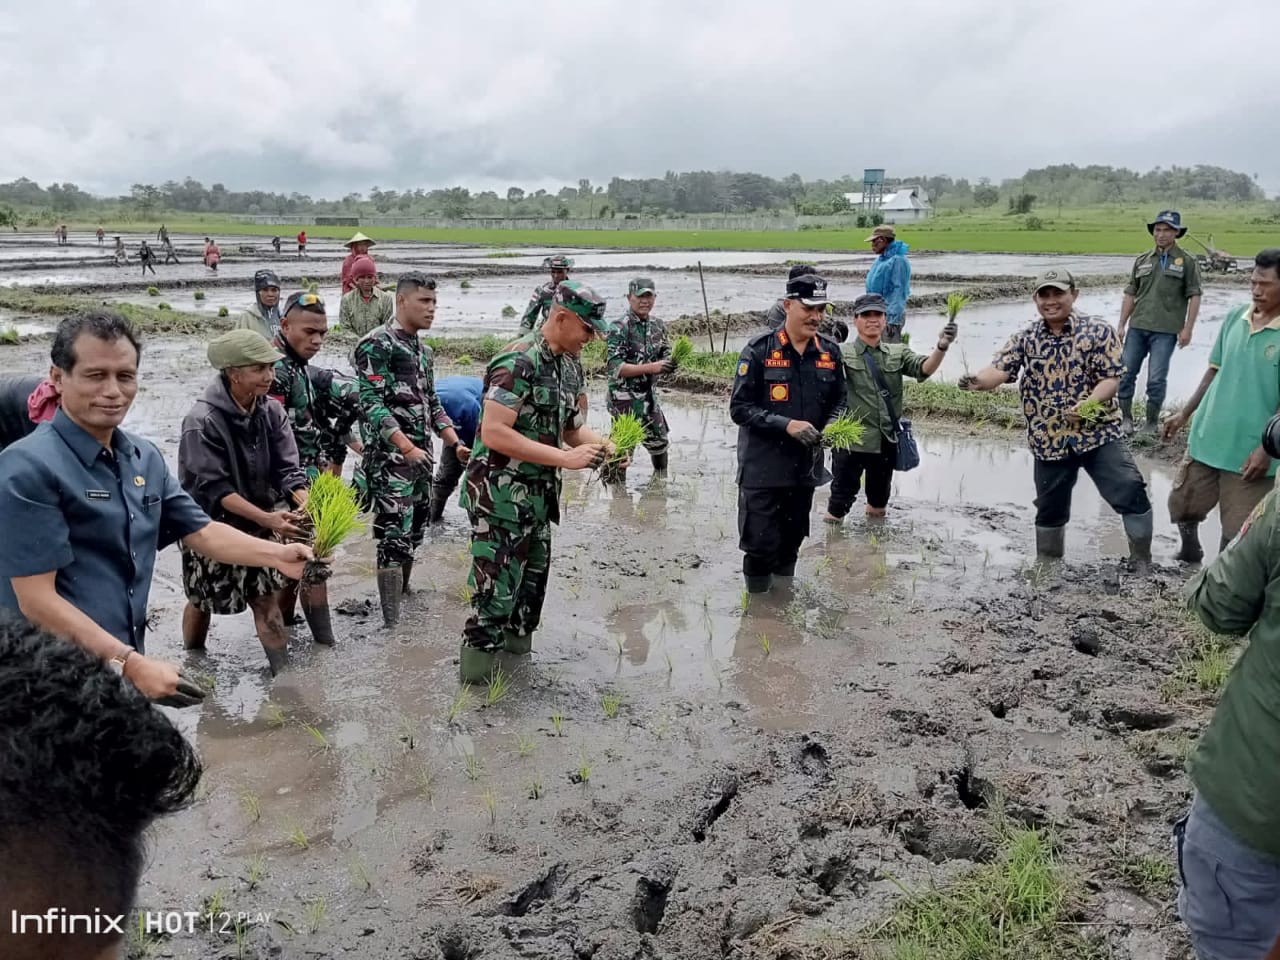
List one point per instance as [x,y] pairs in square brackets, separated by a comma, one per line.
[475,665]
[520,644]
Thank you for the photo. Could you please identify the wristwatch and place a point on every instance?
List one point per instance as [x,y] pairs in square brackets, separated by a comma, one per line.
[117,662]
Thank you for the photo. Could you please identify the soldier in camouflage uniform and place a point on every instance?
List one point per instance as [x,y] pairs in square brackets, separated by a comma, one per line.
[399,409]
[638,352]
[338,410]
[534,408]
[540,303]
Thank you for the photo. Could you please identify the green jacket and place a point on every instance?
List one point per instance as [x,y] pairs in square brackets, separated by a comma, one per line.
[254,318]
[1161,292]
[895,361]
[1236,766]
[360,316]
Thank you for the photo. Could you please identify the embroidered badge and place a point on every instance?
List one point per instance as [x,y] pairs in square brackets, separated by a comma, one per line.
[742,368]
[782,337]
[825,364]
[771,362]
[139,481]
[780,392]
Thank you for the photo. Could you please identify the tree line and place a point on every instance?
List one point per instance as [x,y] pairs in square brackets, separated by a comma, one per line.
[673,194]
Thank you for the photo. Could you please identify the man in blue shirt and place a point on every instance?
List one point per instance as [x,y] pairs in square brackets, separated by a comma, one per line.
[460,397]
[87,506]
[890,276]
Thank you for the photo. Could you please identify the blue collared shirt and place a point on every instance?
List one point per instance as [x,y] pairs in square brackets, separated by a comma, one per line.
[94,515]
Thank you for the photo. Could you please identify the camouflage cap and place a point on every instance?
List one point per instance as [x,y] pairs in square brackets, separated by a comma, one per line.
[1058,278]
[640,286]
[583,301]
[241,348]
[558,262]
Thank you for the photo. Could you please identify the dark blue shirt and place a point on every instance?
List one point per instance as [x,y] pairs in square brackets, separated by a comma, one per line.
[460,397]
[96,516]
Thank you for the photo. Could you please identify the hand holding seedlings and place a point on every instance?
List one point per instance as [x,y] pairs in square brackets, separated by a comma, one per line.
[682,350]
[288,523]
[1089,411]
[948,336]
[585,456]
[805,432]
[842,433]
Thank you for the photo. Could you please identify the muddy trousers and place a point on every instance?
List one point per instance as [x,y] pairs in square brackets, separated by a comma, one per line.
[772,523]
[1198,488]
[399,535]
[849,467]
[398,494]
[447,476]
[1113,472]
[510,566]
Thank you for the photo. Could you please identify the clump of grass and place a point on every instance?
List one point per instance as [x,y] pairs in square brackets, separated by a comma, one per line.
[425,779]
[252,805]
[524,745]
[593,356]
[153,291]
[298,837]
[313,287]
[255,870]
[197,294]
[583,773]
[557,723]
[163,306]
[682,350]
[956,302]
[610,703]
[764,643]
[224,312]
[461,701]
[275,716]
[321,741]
[535,789]
[9,336]
[465,358]
[626,434]
[360,873]
[473,767]
[1091,411]
[499,685]
[490,801]
[316,910]
[465,285]
[508,311]
[843,433]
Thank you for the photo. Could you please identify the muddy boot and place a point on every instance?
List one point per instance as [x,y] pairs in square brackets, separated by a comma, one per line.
[1153,419]
[319,621]
[1139,529]
[277,659]
[407,568]
[1191,551]
[758,584]
[517,642]
[659,464]
[437,509]
[1051,542]
[1126,417]
[390,585]
[785,569]
[475,665]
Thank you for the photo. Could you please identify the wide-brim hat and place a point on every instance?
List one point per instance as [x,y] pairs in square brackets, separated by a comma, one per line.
[360,238]
[1172,218]
[241,348]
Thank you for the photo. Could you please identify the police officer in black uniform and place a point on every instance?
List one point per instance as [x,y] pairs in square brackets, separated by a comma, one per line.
[789,385]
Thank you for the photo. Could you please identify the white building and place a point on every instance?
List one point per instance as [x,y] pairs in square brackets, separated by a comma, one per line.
[908,204]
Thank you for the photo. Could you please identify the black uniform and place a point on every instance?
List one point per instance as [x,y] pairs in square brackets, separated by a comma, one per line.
[777,474]
[15,421]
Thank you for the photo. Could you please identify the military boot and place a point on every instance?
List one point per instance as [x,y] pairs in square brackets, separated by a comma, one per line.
[407,567]
[517,642]
[390,585]
[475,665]
[1126,417]
[1051,541]
[1191,551]
[659,463]
[1139,529]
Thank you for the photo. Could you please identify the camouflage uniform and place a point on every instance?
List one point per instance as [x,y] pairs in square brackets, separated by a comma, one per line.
[638,341]
[338,410]
[397,393]
[512,503]
[294,388]
[540,303]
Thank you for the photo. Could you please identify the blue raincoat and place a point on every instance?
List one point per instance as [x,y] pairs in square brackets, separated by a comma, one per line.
[890,276]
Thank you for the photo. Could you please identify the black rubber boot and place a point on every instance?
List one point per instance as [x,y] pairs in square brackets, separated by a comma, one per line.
[390,585]
[659,462]
[277,659]
[1153,418]
[758,584]
[1139,529]
[407,567]
[1126,417]
[1051,542]
[437,509]
[1191,551]
[785,570]
[320,622]
[517,642]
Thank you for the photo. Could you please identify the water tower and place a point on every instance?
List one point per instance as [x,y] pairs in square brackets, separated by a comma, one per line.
[872,188]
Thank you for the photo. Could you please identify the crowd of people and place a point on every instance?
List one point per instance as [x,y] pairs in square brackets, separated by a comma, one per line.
[272,419]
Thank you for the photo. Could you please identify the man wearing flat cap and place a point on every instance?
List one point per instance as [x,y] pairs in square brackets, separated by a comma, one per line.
[638,353]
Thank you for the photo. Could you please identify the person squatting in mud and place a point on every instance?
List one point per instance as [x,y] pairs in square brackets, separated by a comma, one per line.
[790,384]
[874,371]
[532,425]
[400,408]
[461,398]
[1068,368]
[638,352]
[539,307]
[238,460]
[96,504]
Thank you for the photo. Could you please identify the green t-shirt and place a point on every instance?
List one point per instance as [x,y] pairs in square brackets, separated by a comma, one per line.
[1236,766]
[1161,287]
[895,361]
[1245,394]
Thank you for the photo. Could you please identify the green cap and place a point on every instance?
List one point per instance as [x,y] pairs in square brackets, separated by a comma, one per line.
[241,348]
[583,301]
[642,285]
[1058,278]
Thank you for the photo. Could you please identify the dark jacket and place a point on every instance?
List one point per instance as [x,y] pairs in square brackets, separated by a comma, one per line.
[224,450]
[15,422]
[773,386]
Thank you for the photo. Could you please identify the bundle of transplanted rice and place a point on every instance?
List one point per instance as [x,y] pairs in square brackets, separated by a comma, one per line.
[955,303]
[626,434]
[1091,411]
[842,433]
[333,511]
[682,350]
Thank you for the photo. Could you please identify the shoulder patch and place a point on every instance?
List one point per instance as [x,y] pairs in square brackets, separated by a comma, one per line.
[743,367]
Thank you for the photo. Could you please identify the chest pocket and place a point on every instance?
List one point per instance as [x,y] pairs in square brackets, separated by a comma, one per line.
[404,367]
[1145,270]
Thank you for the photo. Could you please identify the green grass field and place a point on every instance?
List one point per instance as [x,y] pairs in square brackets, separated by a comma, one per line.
[1240,229]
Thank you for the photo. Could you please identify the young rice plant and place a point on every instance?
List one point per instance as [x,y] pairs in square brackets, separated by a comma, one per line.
[682,350]
[843,433]
[334,512]
[626,435]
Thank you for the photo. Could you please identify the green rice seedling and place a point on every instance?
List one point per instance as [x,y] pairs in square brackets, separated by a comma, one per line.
[321,741]
[153,291]
[610,703]
[764,643]
[682,350]
[670,666]
[252,805]
[275,716]
[956,301]
[473,767]
[460,702]
[557,723]
[224,312]
[360,873]
[843,433]
[499,685]
[408,734]
[316,910]
[298,837]
[626,434]
[490,801]
[873,541]
[508,310]
[425,780]
[255,870]
[584,769]
[215,904]
[880,568]
[464,594]
[163,306]
[197,294]
[305,282]
[744,600]
[9,336]
[465,358]
[524,745]
[821,566]
[334,514]
[535,789]
[1091,411]
[465,285]
[313,287]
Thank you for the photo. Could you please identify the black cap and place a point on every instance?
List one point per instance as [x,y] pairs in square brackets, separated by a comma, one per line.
[870,303]
[304,300]
[265,278]
[810,289]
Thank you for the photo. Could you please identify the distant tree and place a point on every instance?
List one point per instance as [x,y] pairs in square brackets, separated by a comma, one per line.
[1021,203]
[455,202]
[985,195]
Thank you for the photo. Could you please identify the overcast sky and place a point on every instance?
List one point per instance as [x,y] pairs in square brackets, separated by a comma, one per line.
[326,97]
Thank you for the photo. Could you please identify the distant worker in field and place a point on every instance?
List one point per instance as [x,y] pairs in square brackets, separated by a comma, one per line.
[120,255]
[461,399]
[212,255]
[1225,464]
[638,352]
[275,243]
[832,328]
[540,303]
[302,244]
[890,276]
[789,385]
[147,257]
[170,255]
[264,315]
[1161,303]
[358,246]
[1070,369]
[162,234]
[366,306]
[101,234]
